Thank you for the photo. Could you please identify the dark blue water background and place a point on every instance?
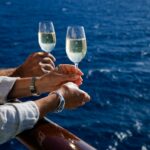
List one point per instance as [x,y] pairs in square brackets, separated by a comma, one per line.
[116,67]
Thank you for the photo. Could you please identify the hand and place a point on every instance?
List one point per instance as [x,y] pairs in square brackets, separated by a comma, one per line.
[57,77]
[70,69]
[37,64]
[74,97]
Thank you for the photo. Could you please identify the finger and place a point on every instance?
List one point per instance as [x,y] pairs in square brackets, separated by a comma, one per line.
[51,57]
[70,69]
[80,78]
[78,83]
[45,54]
[38,56]
[48,67]
[78,71]
[45,71]
[48,60]
[66,68]
[41,54]
[62,69]
[69,78]
[75,70]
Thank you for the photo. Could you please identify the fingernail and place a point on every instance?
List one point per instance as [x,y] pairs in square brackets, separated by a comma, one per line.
[82,73]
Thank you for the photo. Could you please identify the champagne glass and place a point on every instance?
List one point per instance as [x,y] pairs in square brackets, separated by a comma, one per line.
[76,46]
[46,36]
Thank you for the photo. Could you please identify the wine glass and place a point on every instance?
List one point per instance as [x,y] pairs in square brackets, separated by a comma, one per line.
[46,36]
[76,46]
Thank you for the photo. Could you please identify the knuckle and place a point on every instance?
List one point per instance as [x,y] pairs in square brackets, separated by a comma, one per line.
[82,95]
[66,88]
[40,64]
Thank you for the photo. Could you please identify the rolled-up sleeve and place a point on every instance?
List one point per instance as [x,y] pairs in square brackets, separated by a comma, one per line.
[17,117]
[6,84]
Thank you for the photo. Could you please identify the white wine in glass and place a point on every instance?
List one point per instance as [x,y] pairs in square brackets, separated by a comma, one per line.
[46,36]
[76,46]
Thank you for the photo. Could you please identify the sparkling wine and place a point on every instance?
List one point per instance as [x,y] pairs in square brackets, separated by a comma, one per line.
[76,49]
[47,40]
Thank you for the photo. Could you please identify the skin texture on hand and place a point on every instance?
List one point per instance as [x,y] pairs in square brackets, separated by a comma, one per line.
[36,64]
[71,69]
[46,83]
[74,97]
[57,77]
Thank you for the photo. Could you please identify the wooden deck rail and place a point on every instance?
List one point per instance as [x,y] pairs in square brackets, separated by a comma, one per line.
[47,135]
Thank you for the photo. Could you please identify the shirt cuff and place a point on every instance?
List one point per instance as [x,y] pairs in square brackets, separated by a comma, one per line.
[6,84]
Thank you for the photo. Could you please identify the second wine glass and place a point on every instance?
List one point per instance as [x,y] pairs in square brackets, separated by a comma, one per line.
[76,46]
[46,36]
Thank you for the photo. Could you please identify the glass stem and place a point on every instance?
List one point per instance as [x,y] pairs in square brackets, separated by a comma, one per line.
[76,65]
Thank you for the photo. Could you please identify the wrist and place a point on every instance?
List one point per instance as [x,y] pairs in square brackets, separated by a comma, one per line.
[33,87]
[38,85]
[41,86]
[61,104]
[62,91]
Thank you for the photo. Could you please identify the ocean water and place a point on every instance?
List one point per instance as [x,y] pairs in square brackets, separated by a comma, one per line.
[116,67]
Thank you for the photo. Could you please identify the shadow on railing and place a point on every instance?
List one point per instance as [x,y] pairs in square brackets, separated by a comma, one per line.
[46,135]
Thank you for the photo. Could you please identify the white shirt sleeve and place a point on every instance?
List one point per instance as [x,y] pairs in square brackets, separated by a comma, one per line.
[6,84]
[17,117]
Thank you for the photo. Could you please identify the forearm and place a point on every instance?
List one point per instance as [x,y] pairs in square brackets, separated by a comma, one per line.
[43,105]
[12,72]
[15,118]
[7,72]
[20,88]
[47,104]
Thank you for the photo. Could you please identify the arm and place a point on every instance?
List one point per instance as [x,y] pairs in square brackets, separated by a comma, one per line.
[19,87]
[48,82]
[14,118]
[17,117]
[9,72]
[74,97]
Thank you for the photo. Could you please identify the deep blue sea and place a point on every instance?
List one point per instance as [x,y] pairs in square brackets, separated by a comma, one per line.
[116,67]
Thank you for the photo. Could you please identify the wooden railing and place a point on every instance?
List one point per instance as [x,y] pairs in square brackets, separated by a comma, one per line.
[46,135]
